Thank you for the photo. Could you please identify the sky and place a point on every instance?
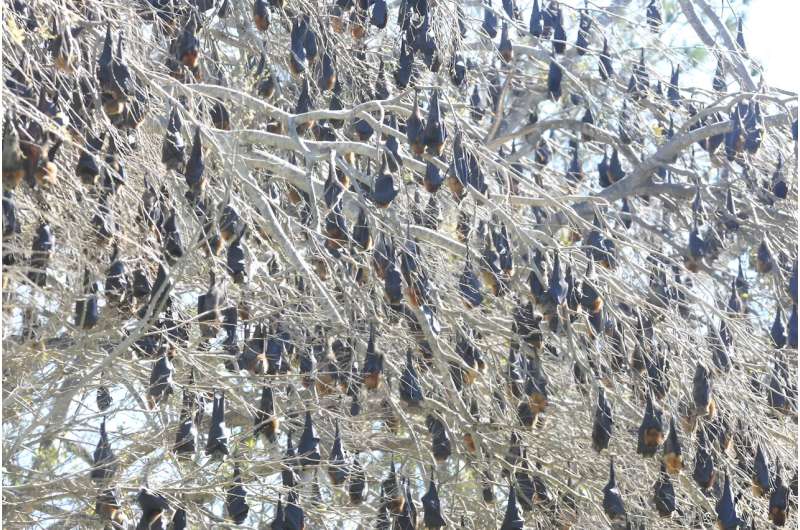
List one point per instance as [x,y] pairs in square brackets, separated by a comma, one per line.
[770,28]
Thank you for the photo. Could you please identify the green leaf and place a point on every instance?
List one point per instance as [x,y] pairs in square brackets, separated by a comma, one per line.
[698,55]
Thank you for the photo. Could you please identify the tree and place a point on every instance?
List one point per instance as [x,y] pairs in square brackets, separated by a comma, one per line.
[425,261]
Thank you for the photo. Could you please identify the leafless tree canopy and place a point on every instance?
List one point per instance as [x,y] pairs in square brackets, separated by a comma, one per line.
[404,264]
